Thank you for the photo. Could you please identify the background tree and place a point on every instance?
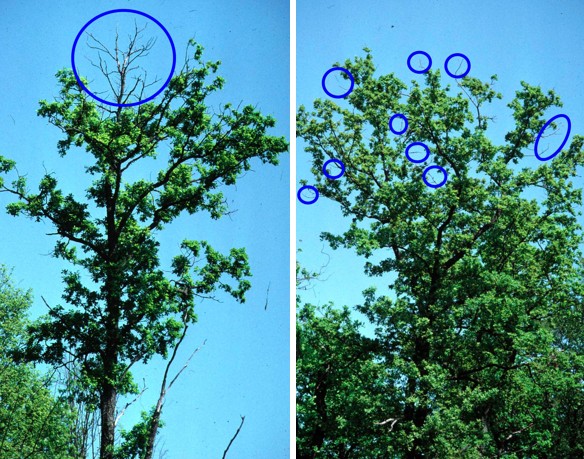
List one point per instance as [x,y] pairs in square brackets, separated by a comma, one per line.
[129,309]
[481,335]
[340,381]
[33,422]
[341,395]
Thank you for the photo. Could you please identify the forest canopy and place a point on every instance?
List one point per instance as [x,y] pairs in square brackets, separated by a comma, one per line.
[478,348]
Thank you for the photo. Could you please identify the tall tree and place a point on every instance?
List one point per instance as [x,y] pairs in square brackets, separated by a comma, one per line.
[33,422]
[129,309]
[481,331]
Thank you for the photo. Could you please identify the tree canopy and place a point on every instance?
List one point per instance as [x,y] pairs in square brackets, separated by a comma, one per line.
[120,306]
[481,330]
[34,423]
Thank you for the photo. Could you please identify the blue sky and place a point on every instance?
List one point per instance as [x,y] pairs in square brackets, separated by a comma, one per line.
[540,42]
[244,367]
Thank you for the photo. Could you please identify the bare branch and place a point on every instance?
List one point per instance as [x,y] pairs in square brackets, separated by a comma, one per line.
[128,405]
[512,434]
[392,420]
[267,295]
[234,436]
[155,420]
[185,365]
[124,61]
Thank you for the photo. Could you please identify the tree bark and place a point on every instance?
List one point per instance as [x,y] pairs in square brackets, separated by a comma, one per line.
[108,411]
[154,424]
[112,288]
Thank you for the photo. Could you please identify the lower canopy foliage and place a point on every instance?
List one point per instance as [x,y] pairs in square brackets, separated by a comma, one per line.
[34,423]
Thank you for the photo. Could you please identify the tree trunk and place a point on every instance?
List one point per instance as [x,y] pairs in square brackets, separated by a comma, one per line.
[108,395]
[154,424]
[108,412]
[110,358]
[415,413]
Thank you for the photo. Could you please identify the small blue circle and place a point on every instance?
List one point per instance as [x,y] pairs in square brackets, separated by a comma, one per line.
[336,161]
[417,160]
[561,115]
[437,185]
[350,78]
[424,53]
[398,115]
[462,75]
[307,187]
[113,103]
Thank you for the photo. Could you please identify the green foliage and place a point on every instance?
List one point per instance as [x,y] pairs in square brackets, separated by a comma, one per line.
[122,307]
[135,444]
[481,336]
[33,423]
[341,396]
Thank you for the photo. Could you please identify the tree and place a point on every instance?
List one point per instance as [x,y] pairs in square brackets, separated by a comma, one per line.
[341,396]
[481,332]
[33,423]
[339,382]
[129,309]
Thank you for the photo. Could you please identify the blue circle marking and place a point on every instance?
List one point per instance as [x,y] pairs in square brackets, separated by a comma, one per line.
[417,160]
[113,103]
[307,187]
[436,185]
[423,53]
[339,163]
[400,116]
[462,75]
[341,69]
[561,115]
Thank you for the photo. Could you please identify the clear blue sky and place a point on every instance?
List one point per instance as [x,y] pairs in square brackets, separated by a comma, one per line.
[244,367]
[540,42]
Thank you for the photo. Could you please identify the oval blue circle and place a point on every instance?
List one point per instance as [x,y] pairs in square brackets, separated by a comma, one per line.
[437,185]
[307,187]
[561,115]
[113,103]
[423,53]
[403,117]
[416,161]
[336,161]
[342,69]
[462,75]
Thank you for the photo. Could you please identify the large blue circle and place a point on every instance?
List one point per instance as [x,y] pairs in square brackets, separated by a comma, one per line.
[424,53]
[113,103]
[437,185]
[403,117]
[336,161]
[561,115]
[462,75]
[344,70]
[417,160]
[307,187]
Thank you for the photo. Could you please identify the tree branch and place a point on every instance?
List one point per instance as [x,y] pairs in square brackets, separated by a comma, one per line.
[121,413]
[234,436]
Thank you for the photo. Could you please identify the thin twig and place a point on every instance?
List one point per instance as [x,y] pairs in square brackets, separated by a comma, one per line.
[186,364]
[233,438]
[128,404]
[267,295]
[47,304]
[512,434]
